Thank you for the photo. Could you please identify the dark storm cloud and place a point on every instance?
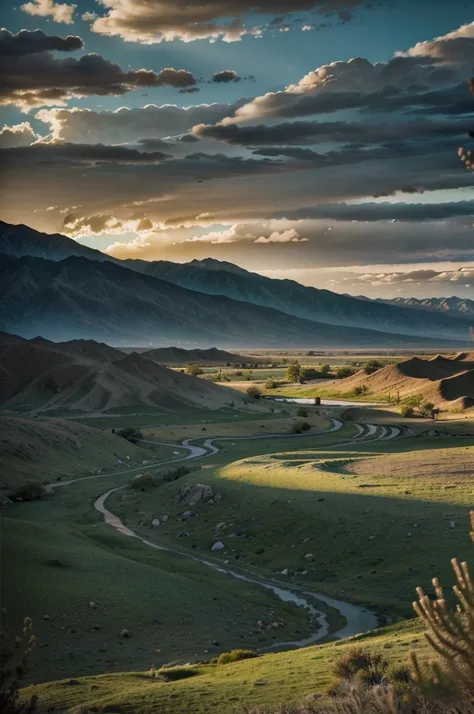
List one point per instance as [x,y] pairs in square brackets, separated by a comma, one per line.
[225,76]
[161,20]
[39,78]
[304,132]
[78,154]
[28,42]
[406,212]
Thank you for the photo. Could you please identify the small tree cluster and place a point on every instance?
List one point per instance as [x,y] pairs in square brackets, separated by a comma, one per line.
[254,392]
[130,434]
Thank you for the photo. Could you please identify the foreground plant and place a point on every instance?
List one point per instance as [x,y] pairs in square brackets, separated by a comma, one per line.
[13,667]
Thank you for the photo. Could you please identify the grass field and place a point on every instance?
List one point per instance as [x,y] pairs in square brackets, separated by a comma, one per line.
[269,680]
[374,520]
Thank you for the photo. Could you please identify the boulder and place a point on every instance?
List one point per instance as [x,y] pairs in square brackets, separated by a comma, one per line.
[218,545]
[155,523]
[125,633]
[308,556]
[183,534]
[196,493]
[164,518]
[284,572]
[186,515]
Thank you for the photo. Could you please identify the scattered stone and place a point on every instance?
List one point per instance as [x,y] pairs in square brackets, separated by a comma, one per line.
[45,618]
[96,628]
[55,563]
[125,633]
[452,524]
[308,556]
[155,523]
[259,683]
[218,545]
[409,535]
[186,515]
[306,540]
[284,572]
[372,537]
[164,518]
[92,605]
[183,534]
[71,683]
[218,497]
[220,526]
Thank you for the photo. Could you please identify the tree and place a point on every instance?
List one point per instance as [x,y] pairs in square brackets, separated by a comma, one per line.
[130,434]
[407,412]
[325,369]
[343,372]
[270,384]
[308,373]
[14,666]
[427,409]
[194,370]
[293,372]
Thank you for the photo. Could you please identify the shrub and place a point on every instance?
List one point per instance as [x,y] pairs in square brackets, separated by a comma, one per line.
[175,474]
[427,409]
[14,666]
[358,660]
[302,412]
[343,372]
[143,482]
[299,427]
[414,401]
[271,384]
[173,674]
[361,389]
[194,370]
[293,372]
[254,392]
[308,373]
[130,434]
[407,412]
[235,656]
[31,491]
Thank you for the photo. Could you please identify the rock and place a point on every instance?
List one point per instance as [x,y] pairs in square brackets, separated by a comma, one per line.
[4,500]
[71,683]
[284,572]
[308,556]
[186,515]
[220,526]
[45,618]
[452,524]
[306,540]
[372,537]
[218,497]
[164,518]
[183,534]
[92,605]
[96,628]
[218,545]
[409,535]
[155,523]
[194,493]
[125,633]
[259,683]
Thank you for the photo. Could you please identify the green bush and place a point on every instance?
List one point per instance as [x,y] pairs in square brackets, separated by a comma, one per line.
[299,427]
[235,656]
[414,401]
[193,370]
[271,384]
[31,491]
[308,373]
[361,389]
[143,482]
[343,372]
[173,674]
[407,412]
[175,474]
[130,434]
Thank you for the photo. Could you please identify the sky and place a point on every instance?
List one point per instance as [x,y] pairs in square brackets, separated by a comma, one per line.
[323,141]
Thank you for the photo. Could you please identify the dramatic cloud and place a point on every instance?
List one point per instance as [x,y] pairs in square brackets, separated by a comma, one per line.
[80,227]
[79,154]
[28,42]
[130,125]
[358,83]
[187,20]
[464,276]
[32,76]
[17,135]
[289,236]
[226,76]
[58,12]
[304,132]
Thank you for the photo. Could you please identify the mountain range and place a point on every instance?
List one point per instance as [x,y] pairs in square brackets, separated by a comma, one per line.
[53,286]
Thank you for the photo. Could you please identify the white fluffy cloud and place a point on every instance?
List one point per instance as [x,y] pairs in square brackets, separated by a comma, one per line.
[58,12]
[289,236]
[17,135]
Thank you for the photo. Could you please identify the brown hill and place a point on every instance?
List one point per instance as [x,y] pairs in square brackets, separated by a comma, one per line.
[439,380]
[38,375]
[45,450]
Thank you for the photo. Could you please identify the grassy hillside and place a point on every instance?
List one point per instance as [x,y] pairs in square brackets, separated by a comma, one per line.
[269,680]
[54,449]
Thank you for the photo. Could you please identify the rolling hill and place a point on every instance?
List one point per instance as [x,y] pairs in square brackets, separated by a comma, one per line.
[442,381]
[218,278]
[102,300]
[179,356]
[42,376]
[453,306]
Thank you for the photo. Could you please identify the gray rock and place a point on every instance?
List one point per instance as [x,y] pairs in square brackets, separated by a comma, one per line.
[452,524]
[218,545]
[284,572]
[155,523]
[187,514]
[308,556]
[164,518]
[125,633]
[196,492]
[183,534]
